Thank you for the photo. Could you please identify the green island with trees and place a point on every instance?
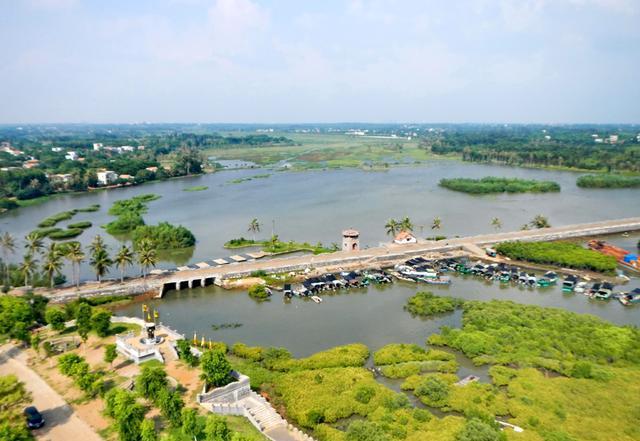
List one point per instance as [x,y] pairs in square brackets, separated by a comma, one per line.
[163,236]
[560,253]
[276,246]
[492,184]
[426,304]
[608,181]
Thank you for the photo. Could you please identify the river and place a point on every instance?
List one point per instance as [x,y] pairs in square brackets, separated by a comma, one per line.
[316,206]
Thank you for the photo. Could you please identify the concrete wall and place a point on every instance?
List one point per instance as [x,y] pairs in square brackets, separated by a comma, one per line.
[230,393]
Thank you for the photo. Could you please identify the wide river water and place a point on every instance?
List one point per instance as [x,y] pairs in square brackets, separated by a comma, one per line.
[316,206]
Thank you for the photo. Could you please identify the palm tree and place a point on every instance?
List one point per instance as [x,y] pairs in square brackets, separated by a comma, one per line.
[100,261]
[147,256]
[34,243]
[8,245]
[540,221]
[437,223]
[496,223]
[392,226]
[406,224]
[123,259]
[75,255]
[28,267]
[254,227]
[53,262]
[97,244]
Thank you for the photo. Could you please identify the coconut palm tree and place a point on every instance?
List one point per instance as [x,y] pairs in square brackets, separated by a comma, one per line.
[8,245]
[100,261]
[52,262]
[75,255]
[28,267]
[406,224]
[496,223]
[147,256]
[254,227]
[97,244]
[34,243]
[437,223]
[392,226]
[123,259]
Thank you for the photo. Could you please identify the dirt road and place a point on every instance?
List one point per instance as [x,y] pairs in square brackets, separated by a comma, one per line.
[62,424]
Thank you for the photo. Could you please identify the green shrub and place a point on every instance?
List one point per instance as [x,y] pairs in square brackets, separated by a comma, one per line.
[492,184]
[164,236]
[65,234]
[565,254]
[259,292]
[608,181]
[355,354]
[426,304]
[82,225]
[253,353]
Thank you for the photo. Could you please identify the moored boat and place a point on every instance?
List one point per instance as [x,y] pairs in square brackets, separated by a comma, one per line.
[630,298]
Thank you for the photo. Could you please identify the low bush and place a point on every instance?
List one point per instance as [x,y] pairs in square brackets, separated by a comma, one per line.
[566,254]
[253,353]
[259,292]
[608,181]
[492,184]
[82,225]
[65,234]
[351,355]
[426,304]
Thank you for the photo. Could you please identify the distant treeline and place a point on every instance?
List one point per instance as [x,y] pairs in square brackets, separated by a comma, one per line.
[492,184]
[608,181]
[564,147]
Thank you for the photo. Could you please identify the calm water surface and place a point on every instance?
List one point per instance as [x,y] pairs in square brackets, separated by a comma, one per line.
[317,205]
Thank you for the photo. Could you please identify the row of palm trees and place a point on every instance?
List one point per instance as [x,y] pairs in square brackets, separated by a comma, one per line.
[54,254]
[393,226]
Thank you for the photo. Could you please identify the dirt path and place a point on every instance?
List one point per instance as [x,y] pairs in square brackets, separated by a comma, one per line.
[62,424]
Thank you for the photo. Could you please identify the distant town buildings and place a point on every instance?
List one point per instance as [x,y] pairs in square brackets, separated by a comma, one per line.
[31,163]
[613,139]
[7,148]
[106,177]
[56,149]
[62,178]
[97,146]
[72,156]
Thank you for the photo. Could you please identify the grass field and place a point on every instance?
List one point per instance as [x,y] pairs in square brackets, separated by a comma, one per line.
[330,151]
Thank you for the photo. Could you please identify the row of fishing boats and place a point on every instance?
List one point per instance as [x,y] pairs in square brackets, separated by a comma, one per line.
[512,274]
[333,282]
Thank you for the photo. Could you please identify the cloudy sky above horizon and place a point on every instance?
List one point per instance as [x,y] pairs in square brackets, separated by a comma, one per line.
[270,61]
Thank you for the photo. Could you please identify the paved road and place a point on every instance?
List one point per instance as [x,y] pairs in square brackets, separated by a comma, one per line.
[62,424]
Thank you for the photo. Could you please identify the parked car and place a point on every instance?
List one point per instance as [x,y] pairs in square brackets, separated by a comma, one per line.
[35,420]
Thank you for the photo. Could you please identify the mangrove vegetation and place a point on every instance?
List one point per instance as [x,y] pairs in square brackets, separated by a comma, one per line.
[492,184]
[565,254]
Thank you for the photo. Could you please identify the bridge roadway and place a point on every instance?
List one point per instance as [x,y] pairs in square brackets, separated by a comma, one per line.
[370,257]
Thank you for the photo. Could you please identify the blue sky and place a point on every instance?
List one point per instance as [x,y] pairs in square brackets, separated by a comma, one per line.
[550,61]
